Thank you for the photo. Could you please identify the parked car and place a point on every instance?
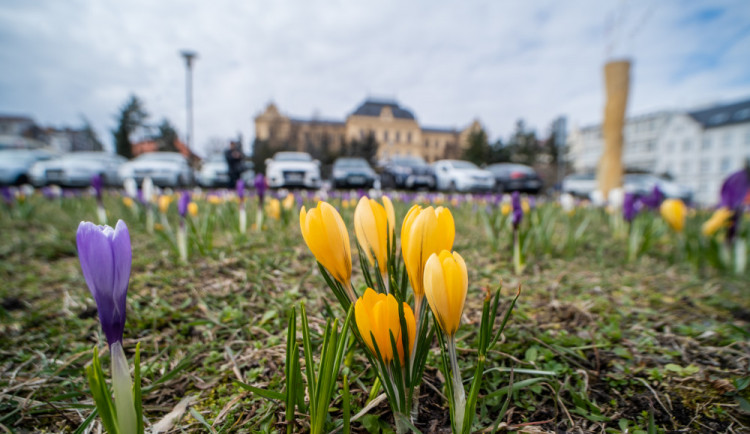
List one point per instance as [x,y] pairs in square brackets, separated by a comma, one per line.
[214,172]
[167,169]
[293,169]
[581,184]
[408,172]
[353,172]
[515,177]
[76,169]
[644,183]
[16,163]
[457,175]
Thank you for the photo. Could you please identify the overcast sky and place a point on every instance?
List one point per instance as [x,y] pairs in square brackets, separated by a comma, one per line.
[447,61]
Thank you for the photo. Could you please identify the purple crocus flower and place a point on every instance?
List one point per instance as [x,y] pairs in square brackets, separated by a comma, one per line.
[630,207]
[240,187]
[654,199]
[106,258]
[735,189]
[7,195]
[182,205]
[260,186]
[517,209]
[97,183]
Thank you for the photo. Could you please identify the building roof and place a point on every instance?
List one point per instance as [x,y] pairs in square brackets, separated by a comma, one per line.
[318,121]
[727,114]
[438,130]
[373,107]
[15,118]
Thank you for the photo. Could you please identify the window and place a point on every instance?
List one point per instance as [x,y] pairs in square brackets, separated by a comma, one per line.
[408,137]
[426,143]
[385,135]
[747,137]
[705,166]
[727,140]
[685,168]
[670,146]
[398,136]
[686,145]
[650,145]
[725,164]
[706,143]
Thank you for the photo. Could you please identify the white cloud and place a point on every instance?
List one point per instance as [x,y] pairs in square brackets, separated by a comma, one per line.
[446,61]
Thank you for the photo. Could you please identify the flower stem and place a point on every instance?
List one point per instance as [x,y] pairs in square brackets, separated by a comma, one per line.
[126,419]
[459,396]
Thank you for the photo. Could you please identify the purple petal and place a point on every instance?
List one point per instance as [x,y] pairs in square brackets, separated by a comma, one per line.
[734,190]
[182,205]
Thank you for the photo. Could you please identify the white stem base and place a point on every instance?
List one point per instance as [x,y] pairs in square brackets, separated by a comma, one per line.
[123,387]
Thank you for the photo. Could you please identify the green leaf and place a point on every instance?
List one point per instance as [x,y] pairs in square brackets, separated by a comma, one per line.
[137,396]
[203,422]
[531,354]
[268,394]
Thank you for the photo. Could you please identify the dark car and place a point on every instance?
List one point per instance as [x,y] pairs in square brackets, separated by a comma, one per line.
[353,172]
[409,173]
[515,177]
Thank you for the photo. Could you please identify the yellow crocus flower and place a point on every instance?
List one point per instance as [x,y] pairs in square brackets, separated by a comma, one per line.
[193,209]
[325,234]
[673,211]
[273,209]
[374,227]
[424,232]
[288,201]
[506,208]
[719,219]
[445,284]
[128,201]
[377,317]
[164,201]
[525,206]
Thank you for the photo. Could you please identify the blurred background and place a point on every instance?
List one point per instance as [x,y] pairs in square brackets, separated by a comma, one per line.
[514,89]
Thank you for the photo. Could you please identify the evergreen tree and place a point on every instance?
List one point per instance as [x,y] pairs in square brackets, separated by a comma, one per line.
[167,136]
[132,116]
[478,151]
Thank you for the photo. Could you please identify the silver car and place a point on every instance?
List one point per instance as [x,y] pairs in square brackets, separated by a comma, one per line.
[76,169]
[16,163]
[167,169]
[215,172]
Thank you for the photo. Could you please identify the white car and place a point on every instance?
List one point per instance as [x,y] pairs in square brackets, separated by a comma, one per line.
[16,163]
[77,169]
[643,184]
[457,175]
[168,169]
[293,169]
[581,184]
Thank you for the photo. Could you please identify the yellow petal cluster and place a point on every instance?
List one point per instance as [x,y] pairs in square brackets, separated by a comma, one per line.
[377,316]
[164,201]
[326,236]
[445,284]
[193,209]
[374,225]
[506,208]
[128,201]
[674,211]
[424,232]
[273,209]
[288,202]
[719,219]
[214,199]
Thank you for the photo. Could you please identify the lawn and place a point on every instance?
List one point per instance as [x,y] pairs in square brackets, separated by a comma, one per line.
[597,342]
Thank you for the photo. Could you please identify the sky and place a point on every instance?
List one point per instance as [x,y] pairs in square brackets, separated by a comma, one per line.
[449,62]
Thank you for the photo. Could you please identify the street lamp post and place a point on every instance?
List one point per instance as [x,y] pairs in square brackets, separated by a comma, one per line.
[189,57]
